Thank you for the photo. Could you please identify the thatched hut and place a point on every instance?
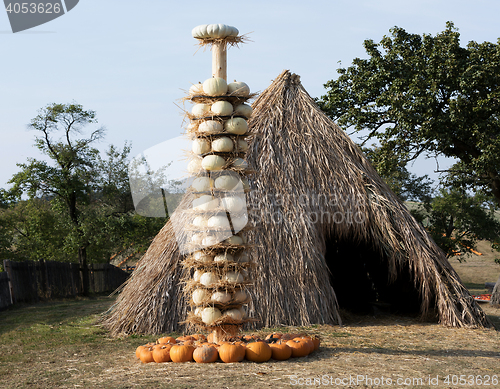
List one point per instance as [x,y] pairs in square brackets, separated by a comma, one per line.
[330,235]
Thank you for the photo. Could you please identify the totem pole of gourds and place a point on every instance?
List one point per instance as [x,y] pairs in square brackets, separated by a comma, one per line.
[217,259]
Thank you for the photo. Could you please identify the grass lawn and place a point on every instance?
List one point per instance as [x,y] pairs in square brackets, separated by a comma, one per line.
[57,345]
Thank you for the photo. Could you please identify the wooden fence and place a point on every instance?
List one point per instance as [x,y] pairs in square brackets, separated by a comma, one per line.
[32,281]
[5,299]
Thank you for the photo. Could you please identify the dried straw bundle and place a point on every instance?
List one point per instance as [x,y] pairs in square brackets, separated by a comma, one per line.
[297,151]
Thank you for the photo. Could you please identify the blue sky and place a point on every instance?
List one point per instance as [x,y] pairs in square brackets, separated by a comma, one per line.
[131,61]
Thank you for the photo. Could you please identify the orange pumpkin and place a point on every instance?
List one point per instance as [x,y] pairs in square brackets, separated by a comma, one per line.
[316,340]
[162,354]
[167,339]
[138,351]
[231,352]
[184,338]
[182,352]
[280,350]
[274,336]
[258,352]
[146,355]
[205,354]
[199,337]
[300,347]
[308,341]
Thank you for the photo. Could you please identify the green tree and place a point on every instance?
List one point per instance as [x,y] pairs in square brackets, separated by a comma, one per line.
[425,95]
[87,194]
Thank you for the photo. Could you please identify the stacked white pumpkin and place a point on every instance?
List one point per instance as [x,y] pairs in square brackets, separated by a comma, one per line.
[219,261]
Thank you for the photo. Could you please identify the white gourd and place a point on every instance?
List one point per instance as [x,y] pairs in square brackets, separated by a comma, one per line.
[200,221]
[201,146]
[206,203]
[215,86]
[202,184]
[240,296]
[194,166]
[243,258]
[210,315]
[220,297]
[238,163]
[200,295]
[197,238]
[228,182]
[218,222]
[210,240]
[238,126]
[239,222]
[213,162]
[200,110]
[222,108]
[243,110]
[234,314]
[196,89]
[233,277]
[200,256]
[197,275]
[209,279]
[198,311]
[233,203]
[238,88]
[223,258]
[222,145]
[234,240]
[210,127]
[243,310]
[242,145]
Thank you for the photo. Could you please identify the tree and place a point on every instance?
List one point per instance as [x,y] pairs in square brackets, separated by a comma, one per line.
[424,95]
[87,194]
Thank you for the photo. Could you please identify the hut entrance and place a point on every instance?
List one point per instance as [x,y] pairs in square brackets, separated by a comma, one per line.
[361,280]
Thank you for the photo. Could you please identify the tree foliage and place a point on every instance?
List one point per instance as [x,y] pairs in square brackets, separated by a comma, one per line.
[425,95]
[79,202]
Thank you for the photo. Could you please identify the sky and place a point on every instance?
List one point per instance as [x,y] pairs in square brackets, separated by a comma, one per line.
[132,61]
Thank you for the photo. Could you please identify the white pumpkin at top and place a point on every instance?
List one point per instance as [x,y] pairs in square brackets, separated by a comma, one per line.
[234,277]
[196,89]
[201,146]
[202,184]
[206,203]
[243,110]
[237,126]
[222,144]
[214,31]
[225,257]
[215,86]
[199,110]
[238,163]
[234,314]
[220,297]
[200,295]
[210,127]
[238,88]
[242,145]
[210,315]
[209,279]
[222,108]
[234,240]
[218,221]
[228,182]
[233,203]
[213,162]
[194,166]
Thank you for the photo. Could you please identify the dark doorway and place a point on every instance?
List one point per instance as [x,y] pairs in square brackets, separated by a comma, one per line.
[361,279]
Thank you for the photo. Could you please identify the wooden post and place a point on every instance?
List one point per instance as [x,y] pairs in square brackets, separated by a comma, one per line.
[219,59]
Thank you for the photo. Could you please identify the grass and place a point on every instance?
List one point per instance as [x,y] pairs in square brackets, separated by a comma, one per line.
[57,345]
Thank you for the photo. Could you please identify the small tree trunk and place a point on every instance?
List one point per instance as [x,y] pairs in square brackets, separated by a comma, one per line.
[82,259]
[495,295]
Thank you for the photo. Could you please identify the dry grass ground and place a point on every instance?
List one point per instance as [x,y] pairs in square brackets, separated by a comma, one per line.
[57,345]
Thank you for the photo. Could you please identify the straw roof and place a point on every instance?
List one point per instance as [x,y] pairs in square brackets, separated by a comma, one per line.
[313,190]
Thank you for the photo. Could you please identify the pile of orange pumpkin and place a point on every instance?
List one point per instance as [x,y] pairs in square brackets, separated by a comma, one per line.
[199,349]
